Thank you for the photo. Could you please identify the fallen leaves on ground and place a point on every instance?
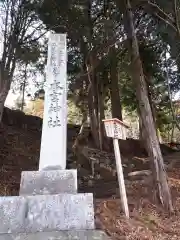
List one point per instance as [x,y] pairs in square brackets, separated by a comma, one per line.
[19,151]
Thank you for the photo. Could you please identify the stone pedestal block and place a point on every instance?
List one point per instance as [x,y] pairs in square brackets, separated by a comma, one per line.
[48,182]
[31,214]
[61,235]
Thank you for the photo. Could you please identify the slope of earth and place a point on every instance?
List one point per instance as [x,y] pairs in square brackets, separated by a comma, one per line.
[20,137]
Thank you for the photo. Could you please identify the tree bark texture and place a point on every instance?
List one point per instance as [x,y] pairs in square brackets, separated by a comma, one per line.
[101,114]
[4,90]
[114,88]
[90,67]
[154,151]
[3,96]
[93,106]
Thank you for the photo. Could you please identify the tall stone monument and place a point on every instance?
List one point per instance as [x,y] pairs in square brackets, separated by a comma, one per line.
[53,142]
[49,206]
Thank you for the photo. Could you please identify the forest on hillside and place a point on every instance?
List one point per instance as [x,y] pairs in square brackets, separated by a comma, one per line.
[122,55]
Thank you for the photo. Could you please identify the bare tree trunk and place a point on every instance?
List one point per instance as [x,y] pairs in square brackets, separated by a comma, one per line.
[23,92]
[23,87]
[4,90]
[3,96]
[92,94]
[82,135]
[142,135]
[93,122]
[145,111]
[151,104]
[154,114]
[101,115]
[172,132]
[92,105]
[114,88]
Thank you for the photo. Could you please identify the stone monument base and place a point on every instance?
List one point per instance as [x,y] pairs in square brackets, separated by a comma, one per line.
[28,214]
[61,235]
[48,182]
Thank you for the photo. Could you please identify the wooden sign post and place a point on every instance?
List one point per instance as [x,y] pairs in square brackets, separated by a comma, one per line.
[116,129]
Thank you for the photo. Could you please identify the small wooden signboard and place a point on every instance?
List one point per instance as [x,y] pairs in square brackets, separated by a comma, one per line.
[116,129]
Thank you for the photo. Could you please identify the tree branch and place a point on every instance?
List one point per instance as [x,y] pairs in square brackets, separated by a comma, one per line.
[176,17]
[159,13]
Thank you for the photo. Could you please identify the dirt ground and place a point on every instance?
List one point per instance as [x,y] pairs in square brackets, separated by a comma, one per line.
[19,151]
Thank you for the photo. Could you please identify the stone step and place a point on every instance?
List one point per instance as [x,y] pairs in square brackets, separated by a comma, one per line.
[46,213]
[61,235]
[48,182]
